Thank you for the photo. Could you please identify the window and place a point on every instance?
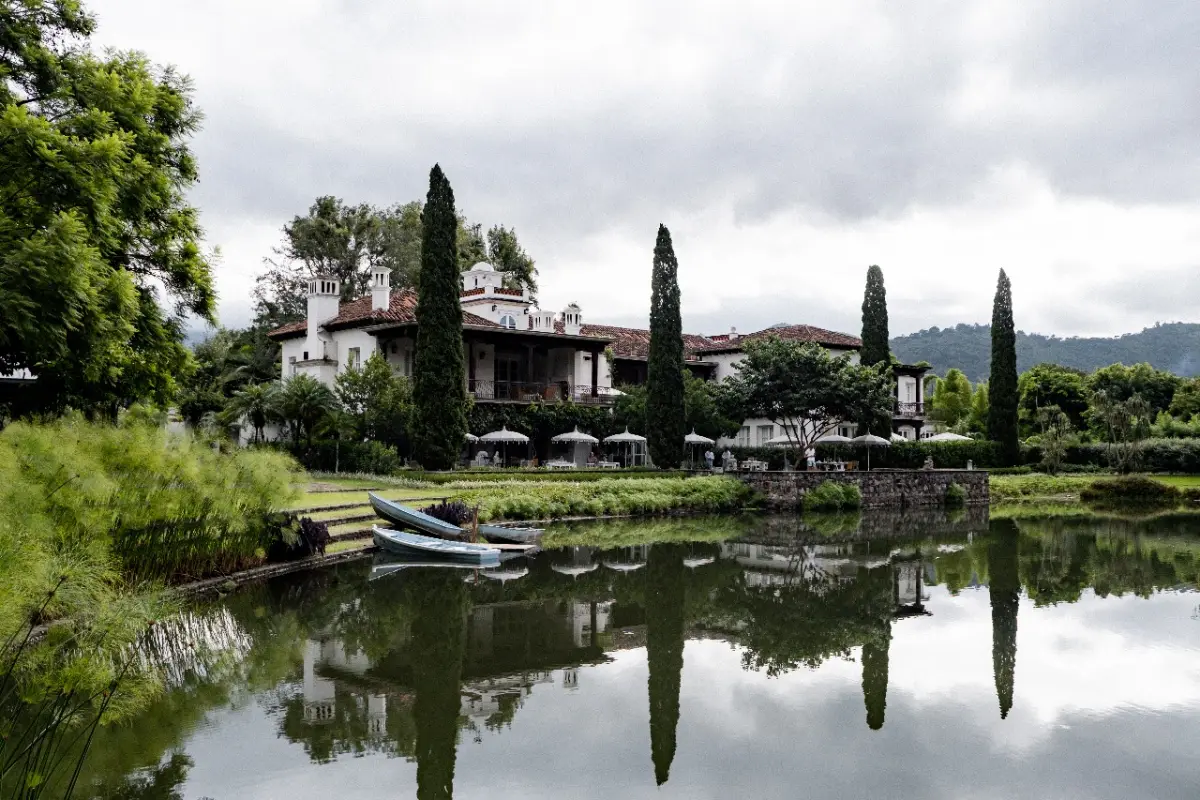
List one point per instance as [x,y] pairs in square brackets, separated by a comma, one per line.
[353,358]
[744,436]
[847,431]
[508,321]
[306,355]
[765,434]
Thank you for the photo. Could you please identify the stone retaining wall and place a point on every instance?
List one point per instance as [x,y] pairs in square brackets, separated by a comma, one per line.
[891,488]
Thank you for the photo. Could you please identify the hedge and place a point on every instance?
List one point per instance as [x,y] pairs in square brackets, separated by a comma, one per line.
[374,458]
[539,475]
[900,455]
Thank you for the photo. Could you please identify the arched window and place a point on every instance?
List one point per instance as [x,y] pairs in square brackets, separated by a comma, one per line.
[508,321]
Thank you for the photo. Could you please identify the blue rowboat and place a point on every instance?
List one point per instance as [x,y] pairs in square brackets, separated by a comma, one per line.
[414,544]
[406,517]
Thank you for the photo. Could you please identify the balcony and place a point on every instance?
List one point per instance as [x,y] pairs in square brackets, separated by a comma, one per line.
[910,410]
[533,391]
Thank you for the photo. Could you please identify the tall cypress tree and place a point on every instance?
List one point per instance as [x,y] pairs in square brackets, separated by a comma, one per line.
[1004,592]
[875,349]
[665,575]
[664,371]
[439,374]
[1002,383]
[876,647]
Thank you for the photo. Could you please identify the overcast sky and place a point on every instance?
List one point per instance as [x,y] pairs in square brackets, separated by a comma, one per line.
[787,145]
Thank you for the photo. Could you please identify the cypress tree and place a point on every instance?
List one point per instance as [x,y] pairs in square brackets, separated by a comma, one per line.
[1003,395]
[875,349]
[665,576]
[1004,593]
[876,647]
[664,371]
[439,374]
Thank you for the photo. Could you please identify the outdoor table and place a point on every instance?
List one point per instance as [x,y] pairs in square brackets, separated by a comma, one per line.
[608,465]
[560,465]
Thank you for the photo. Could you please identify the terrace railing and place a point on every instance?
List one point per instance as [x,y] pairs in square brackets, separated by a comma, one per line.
[531,391]
[910,409]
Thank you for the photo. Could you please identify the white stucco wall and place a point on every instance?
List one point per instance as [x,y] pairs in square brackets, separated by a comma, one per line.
[290,350]
[345,340]
[399,355]
[907,389]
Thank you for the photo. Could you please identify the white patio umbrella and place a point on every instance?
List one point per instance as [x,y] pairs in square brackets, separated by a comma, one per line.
[505,437]
[833,438]
[694,440]
[948,437]
[630,440]
[869,440]
[898,438]
[470,437]
[575,437]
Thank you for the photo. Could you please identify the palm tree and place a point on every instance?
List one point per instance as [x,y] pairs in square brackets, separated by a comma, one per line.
[304,403]
[256,404]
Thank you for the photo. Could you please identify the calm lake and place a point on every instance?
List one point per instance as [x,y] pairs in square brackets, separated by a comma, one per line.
[957,658]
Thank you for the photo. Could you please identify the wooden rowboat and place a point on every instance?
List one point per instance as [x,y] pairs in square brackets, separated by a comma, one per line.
[414,544]
[411,518]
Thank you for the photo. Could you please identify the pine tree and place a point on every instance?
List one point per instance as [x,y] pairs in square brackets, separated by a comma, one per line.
[439,374]
[665,418]
[1003,396]
[875,348]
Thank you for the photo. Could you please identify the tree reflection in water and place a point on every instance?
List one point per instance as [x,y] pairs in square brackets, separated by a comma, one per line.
[1004,592]
[665,578]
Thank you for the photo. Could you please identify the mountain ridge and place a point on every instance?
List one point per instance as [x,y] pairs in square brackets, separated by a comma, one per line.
[1171,346]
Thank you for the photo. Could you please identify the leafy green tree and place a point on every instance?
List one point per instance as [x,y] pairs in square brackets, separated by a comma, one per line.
[257,404]
[1124,424]
[951,400]
[1051,385]
[977,419]
[305,404]
[874,321]
[703,411]
[378,402]
[803,388]
[94,223]
[665,577]
[508,257]
[1055,438]
[1004,593]
[1185,404]
[664,381]
[440,376]
[1119,382]
[1002,385]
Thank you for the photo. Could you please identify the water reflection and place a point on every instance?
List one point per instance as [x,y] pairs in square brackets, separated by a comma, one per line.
[419,661]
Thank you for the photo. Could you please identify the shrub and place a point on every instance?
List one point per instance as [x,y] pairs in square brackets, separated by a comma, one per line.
[455,512]
[295,539]
[1131,488]
[955,495]
[833,496]
[374,458]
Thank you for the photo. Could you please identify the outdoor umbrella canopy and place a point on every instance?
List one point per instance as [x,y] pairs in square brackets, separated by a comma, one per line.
[470,437]
[505,437]
[779,441]
[833,438]
[630,440]
[695,438]
[575,436]
[898,438]
[869,440]
[948,437]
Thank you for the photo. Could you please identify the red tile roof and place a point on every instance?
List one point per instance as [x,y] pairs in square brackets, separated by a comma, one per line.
[635,342]
[789,333]
[358,313]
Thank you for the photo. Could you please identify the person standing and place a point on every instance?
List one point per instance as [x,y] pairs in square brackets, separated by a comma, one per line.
[709,458]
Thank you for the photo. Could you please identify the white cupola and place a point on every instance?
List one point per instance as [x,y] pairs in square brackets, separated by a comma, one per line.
[381,289]
[324,295]
[482,276]
[572,319]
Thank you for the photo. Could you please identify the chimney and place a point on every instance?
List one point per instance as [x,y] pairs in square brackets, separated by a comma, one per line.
[572,320]
[733,334]
[324,294]
[381,289]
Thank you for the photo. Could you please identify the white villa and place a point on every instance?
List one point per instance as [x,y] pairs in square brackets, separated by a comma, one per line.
[517,353]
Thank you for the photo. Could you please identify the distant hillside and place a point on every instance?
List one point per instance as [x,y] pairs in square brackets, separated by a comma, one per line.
[1174,346]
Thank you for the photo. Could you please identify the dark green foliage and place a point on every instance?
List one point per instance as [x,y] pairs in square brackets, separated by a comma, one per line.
[224,364]
[440,376]
[456,512]
[702,408]
[378,403]
[912,455]
[328,455]
[951,400]
[665,412]
[874,321]
[1172,346]
[508,257]
[1130,489]
[1051,385]
[439,603]
[955,495]
[305,406]
[875,651]
[665,578]
[542,421]
[1002,381]
[1004,593]
[1120,383]
[298,539]
[1186,402]
[539,475]
[833,496]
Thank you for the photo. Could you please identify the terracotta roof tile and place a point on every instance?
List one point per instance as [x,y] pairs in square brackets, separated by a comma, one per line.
[789,333]
[358,313]
[635,342]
